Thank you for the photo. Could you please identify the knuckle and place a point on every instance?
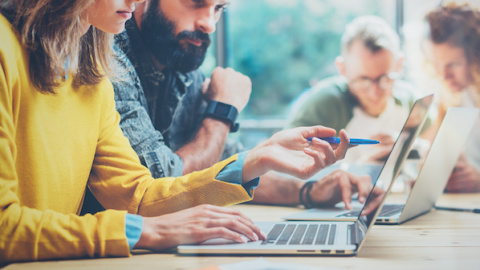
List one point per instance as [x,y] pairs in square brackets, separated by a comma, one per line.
[206,206]
[233,222]
[223,231]
[336,174]
[205,209]
[344,180]
[217,70]
[236,212]
[199,235]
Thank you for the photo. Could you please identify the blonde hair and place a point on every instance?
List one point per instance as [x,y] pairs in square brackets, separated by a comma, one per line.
[374,32]
[52,32]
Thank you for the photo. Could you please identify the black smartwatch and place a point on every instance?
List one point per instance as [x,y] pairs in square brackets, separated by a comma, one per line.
[223,112]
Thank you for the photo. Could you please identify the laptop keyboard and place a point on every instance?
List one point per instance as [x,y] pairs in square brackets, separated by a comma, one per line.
[387,211]
[322,235]
[293,234]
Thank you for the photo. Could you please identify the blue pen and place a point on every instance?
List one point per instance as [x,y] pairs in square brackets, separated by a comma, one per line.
[335,140]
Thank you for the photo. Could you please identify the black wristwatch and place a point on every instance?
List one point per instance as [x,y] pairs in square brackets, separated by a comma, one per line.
[223,112]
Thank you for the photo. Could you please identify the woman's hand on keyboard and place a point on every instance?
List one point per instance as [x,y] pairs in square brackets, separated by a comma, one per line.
[195,225]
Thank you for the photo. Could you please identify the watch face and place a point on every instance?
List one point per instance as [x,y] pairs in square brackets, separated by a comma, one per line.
[222,109]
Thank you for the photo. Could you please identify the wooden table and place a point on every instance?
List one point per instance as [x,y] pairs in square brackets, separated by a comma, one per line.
[436,240]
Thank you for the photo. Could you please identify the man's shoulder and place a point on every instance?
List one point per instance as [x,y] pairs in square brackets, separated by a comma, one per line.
[121,41]
[128,86]
[326,103]
[332,89]
[119,49]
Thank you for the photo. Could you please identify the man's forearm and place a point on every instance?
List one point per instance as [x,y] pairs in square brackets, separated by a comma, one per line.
[206,148]
[275,188]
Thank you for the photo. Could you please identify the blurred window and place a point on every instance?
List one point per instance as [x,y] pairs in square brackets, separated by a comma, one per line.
[285,47]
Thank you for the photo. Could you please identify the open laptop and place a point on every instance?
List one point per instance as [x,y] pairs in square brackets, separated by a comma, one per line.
[324,238]
[437,167]
[412,126]
[432,178]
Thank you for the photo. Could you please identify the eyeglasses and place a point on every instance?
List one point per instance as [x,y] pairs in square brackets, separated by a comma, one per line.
[384,82]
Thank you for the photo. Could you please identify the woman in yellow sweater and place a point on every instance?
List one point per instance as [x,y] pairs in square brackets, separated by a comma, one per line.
[59,133]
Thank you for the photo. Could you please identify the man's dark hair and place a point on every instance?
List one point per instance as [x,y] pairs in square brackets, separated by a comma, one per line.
[374,32]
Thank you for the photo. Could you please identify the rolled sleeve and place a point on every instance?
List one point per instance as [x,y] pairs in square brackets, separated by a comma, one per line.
[232,173]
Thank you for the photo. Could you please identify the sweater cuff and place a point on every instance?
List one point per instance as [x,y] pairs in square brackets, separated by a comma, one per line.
[232,173]
[133,229]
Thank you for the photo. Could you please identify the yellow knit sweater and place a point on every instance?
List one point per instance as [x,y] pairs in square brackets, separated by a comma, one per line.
[53,146]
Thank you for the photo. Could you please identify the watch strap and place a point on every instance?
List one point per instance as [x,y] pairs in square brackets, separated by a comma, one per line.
[223,112]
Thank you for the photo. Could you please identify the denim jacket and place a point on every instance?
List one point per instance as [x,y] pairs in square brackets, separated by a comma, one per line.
[160,111]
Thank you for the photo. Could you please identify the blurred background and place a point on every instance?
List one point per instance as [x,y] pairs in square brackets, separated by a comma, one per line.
[287,46]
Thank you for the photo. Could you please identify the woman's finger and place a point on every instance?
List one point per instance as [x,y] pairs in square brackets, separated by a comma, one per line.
[204,234]
[326,148]
[234,225]
[318,165]
[364,186]
[235,215]
[343,146]
[346,189]
[374,201]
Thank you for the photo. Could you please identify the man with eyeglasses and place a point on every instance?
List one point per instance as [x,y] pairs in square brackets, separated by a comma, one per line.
[367,98]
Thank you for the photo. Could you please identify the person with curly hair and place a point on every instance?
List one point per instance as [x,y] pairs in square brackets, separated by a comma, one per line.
[453,48]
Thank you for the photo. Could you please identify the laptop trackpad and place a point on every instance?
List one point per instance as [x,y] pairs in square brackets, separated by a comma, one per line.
[222,241]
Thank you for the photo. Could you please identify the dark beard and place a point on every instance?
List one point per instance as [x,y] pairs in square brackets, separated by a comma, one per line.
[158,33]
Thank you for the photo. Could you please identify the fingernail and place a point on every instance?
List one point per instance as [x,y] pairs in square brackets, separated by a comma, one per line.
[264,235]
[244,239]
[361,199]
[255,236]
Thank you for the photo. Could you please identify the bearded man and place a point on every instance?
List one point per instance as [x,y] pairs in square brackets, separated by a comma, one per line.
[178,121]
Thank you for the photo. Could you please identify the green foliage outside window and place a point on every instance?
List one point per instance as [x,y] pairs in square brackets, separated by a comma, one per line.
[285,46]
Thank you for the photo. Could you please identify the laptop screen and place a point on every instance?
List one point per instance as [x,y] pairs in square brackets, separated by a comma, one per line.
[391,168]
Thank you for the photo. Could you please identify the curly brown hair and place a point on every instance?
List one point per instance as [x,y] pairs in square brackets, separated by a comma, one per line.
[458,25]
[52,32]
